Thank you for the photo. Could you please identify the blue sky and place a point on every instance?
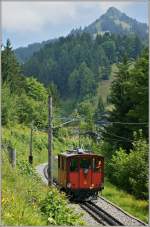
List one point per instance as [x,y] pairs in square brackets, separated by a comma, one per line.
[27,22]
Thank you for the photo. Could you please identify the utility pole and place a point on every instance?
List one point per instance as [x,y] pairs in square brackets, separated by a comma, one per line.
[30,146]
[79,133]
[50,138]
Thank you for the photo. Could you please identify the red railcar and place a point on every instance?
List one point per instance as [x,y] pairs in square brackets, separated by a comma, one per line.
[81,175]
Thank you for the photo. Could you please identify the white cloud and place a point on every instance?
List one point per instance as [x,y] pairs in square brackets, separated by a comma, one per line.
[33,16]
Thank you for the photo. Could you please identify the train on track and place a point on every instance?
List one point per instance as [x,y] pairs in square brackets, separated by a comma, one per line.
[80,174]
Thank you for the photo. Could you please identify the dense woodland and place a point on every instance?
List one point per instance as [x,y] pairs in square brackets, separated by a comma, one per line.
[78,62]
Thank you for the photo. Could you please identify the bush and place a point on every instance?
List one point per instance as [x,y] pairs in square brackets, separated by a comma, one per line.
[54,206]
[9,106]
[130,171]
[25,168]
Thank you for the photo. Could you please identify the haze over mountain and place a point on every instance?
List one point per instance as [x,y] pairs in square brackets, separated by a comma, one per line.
[113,21]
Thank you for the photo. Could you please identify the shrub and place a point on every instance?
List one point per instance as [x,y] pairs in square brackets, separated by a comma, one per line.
[54,206]
[25,168]
[130,171]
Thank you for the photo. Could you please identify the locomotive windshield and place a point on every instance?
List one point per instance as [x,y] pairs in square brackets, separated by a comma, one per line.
[85,164]
[73,165]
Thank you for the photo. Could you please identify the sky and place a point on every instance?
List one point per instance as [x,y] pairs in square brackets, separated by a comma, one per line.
[27,22]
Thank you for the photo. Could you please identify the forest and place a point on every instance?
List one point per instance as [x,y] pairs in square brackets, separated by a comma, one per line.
[77,62]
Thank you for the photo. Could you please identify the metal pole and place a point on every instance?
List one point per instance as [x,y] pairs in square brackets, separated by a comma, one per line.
[50,138]
[30,154]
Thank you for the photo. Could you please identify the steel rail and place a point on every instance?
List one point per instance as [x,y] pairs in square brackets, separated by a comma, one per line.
[93,214]
[123,211]
[100,215]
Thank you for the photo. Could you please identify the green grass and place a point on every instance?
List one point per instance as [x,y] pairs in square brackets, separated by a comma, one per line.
[21,195]
[136,207]
[104,86]
[22,190]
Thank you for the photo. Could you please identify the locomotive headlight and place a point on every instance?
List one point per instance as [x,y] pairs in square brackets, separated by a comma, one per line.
[69,185]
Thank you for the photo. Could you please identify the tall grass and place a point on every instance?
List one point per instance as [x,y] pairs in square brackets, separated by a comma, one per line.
[23,193]
[136,207]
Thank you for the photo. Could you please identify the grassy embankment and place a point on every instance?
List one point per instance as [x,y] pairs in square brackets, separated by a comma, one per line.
[135,207]
[104,86]
[25,199]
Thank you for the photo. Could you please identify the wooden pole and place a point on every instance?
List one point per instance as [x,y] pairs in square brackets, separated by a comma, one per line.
[12,156]
[30,148]
[50,138]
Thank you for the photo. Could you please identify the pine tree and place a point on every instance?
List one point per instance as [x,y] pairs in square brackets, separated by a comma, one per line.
[117,134]
[129,96]
[11,70]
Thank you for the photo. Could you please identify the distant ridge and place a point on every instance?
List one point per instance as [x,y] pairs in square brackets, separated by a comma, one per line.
[113,21]
[24,53]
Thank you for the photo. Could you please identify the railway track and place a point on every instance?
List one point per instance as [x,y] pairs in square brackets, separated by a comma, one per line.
[105,212]
[100,215]
[121,215]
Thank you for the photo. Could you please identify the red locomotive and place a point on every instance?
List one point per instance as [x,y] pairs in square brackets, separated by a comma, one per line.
[81,174]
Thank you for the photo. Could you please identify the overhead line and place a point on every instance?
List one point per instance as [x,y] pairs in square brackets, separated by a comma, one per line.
[117,136]
[128,123]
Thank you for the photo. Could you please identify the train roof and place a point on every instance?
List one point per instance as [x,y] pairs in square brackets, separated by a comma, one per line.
[79,152]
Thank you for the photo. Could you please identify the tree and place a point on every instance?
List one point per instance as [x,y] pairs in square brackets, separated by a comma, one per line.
[129,96]
[35,89]
[9,106]
[99,110]
[130,171]
[110,50]
[11,70]
[138,91]
[121,105]
[81,81]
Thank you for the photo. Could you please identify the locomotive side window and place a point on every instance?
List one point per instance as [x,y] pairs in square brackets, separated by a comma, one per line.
[73,165]
[59,162]
[85,164]
[62,163]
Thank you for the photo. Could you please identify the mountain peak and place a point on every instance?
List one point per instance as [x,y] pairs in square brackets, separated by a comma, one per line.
[115,21]
[112,11]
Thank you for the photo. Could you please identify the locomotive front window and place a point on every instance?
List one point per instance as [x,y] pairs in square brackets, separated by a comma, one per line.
[73,165]
[97,164]
[85,164]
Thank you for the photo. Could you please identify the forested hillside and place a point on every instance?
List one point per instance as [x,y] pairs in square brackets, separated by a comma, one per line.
[79,62]
[113,21]
[24,53]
